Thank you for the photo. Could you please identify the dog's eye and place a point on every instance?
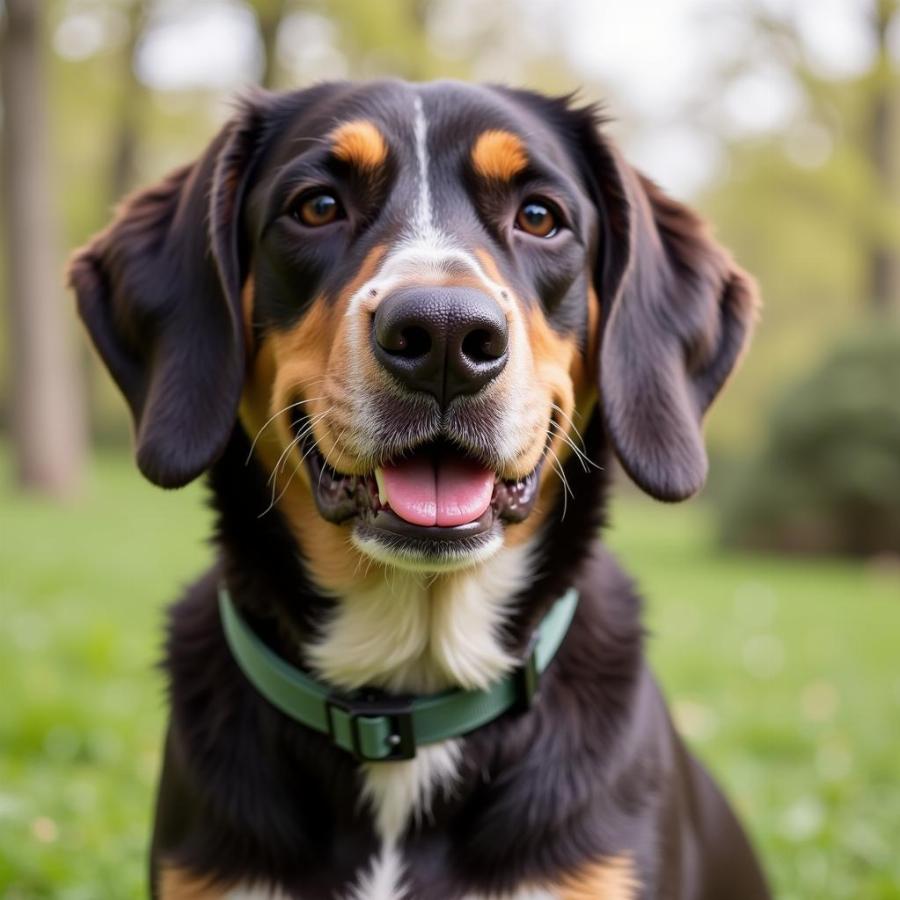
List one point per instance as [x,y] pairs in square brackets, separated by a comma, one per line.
[536,217]
[316,210]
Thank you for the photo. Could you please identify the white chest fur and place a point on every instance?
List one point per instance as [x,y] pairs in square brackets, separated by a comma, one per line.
[409,631]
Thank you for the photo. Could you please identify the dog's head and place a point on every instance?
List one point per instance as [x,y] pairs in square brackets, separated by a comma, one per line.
[409,296]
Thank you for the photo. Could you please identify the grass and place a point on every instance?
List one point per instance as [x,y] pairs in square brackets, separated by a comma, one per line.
[782,674]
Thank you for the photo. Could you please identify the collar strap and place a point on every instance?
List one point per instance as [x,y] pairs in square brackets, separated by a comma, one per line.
[375,726]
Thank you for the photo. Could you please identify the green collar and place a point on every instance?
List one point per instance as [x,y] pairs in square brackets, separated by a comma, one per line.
[385,727]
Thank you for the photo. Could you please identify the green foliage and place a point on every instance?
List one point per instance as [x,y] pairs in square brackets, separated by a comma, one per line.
[82,715]
[828,478]
[769,665]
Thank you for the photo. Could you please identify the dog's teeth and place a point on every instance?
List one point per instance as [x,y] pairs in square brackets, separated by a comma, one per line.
[382,492]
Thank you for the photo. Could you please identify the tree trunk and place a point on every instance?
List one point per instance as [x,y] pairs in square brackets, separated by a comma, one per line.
[884,147]
[123,169]
[48,427]
[269,14]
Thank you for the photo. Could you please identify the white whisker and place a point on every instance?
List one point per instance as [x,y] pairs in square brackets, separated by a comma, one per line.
[340,457]
[582,457]
[567,491]
[271,419]
[313,446]
[279,465]
[297,439]
[582,452]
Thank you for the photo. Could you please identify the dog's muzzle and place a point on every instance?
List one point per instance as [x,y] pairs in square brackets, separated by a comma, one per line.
[443,341]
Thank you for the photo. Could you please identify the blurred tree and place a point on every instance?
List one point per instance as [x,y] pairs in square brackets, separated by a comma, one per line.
[124,166]
[385,38]
[270,14]
[884,150]
[48,426]
[859,116]
[506,41]
[828,477]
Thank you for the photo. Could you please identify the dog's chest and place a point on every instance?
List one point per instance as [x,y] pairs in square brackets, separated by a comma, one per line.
[400,795]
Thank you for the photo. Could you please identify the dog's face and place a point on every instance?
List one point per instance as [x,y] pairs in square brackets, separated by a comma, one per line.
[421,279]
[409,296]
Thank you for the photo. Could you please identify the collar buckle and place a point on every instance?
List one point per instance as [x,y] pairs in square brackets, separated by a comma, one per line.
[361,713]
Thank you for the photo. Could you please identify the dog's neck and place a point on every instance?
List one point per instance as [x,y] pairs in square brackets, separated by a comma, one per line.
[400,631]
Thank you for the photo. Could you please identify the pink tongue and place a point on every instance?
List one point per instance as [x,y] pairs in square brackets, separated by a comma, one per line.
[451,491]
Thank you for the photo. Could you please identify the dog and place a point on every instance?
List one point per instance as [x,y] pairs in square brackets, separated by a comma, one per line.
[405,329]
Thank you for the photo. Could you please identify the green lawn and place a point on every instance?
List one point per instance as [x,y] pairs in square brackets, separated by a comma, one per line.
[782,674]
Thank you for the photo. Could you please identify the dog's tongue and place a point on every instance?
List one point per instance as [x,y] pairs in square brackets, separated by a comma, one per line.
[445,491]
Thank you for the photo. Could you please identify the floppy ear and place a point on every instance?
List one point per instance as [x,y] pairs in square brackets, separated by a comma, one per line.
[677,312]
[159,292]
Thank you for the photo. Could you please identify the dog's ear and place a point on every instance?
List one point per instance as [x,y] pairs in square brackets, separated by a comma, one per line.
[159,291]
[676,313]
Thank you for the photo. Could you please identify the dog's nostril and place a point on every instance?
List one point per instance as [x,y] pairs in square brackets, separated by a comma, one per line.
[401,340]
[483,346]
[412,343]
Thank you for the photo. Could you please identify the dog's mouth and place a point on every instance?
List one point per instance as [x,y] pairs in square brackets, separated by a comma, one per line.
[435,494]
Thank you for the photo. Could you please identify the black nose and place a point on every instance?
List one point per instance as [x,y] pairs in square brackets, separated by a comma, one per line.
[445,341]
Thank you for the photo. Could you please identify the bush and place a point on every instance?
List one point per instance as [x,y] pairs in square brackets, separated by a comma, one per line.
[828,478]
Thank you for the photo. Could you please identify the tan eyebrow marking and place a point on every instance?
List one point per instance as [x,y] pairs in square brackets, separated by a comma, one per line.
[359,143]
[499,154]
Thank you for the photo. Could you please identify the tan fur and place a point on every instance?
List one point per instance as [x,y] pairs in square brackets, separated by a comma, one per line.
[248,298]
[293,366]
[306,363]
[489,264]
[612,879]
[561,372]
[179,884]
[592,356]
[360,144]
[499,155]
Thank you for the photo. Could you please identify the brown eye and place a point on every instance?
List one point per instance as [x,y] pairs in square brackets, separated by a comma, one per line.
[537,218]
[317,210]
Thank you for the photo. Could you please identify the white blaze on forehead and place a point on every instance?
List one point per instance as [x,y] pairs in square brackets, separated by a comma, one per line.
[423,220]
